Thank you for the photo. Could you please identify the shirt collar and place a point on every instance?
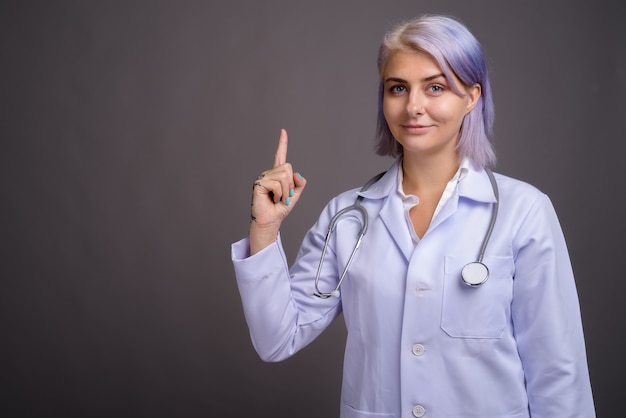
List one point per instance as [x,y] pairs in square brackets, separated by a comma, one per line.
[473,182]
[458,176]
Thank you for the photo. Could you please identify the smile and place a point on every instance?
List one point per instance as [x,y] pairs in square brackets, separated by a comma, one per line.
[416,129]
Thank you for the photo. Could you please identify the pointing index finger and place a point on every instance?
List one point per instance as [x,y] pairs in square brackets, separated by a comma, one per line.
[280,157]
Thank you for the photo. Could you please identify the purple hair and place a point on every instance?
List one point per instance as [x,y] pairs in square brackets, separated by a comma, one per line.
[457,52]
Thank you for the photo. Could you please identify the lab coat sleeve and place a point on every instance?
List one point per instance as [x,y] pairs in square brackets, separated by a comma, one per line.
[282,315]
[547,320]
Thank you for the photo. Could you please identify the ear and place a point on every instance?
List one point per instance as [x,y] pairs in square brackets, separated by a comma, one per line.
[473,94]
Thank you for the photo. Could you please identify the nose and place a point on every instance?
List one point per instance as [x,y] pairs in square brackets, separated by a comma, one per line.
[415,105]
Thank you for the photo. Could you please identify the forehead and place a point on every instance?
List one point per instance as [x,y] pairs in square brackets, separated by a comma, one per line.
[418,66]
[411,64]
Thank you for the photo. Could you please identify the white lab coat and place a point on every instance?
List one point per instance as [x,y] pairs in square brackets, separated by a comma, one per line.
[420,342]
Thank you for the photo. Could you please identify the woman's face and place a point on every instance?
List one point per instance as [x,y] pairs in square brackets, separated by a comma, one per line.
[424,114]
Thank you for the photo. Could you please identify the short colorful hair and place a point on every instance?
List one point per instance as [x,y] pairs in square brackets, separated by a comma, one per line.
[457,52]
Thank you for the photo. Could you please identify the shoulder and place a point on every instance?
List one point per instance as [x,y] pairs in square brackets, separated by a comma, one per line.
[525,205]
[377,188]
[517,190]
[343,199]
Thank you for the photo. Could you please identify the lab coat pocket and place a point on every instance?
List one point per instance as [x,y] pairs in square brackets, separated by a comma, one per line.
[477,312]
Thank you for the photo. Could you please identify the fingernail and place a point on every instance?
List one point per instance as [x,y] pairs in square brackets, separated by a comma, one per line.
[287,201]
[292,192]
[299,176]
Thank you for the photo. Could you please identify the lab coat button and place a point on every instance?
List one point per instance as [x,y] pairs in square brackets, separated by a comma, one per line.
[419,411]
[418,349]
[421,289]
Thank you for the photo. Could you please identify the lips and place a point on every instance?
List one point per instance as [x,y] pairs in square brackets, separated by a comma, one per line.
[416,129]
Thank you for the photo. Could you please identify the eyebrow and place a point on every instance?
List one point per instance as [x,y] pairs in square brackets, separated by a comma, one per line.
[400,80]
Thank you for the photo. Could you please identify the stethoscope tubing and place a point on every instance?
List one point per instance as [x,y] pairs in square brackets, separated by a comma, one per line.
[476,272]
[469,269]
[356,206]
[494,215]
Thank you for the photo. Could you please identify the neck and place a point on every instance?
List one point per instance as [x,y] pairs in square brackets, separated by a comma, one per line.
[422,175]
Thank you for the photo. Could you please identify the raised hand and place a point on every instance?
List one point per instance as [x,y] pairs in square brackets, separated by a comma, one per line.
[274,194]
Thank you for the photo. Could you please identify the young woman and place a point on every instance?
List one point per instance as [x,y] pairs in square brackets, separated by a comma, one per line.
[431,332]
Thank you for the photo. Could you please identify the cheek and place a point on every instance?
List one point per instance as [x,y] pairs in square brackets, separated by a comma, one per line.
[386,108]
[391,109]
[448,112]
[388,117]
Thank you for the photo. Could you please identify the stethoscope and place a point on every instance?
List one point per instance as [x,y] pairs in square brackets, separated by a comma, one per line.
[473,274]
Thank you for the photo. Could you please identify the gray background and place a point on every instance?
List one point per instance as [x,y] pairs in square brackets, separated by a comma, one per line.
[131,133]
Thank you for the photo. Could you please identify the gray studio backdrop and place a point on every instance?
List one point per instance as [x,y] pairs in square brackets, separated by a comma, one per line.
[132,131]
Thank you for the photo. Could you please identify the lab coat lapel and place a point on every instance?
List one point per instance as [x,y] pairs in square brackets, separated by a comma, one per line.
[392,215]
[392,210]
[448,210]
[475,186]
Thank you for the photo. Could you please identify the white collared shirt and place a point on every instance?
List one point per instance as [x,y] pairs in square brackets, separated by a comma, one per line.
[410,201]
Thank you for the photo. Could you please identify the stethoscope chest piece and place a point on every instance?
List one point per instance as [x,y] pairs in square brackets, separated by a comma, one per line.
[475,273]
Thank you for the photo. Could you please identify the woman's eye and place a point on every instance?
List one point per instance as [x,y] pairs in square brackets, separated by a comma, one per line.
[397,89]
[435,88]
